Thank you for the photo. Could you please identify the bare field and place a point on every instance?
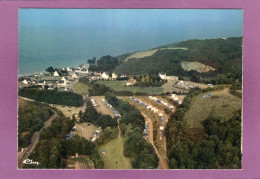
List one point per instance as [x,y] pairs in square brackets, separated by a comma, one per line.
[85,130]
[219,104]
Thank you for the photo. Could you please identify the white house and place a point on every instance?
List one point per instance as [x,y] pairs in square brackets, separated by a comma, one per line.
[69,69]
[56,73]
[41,82]
[25,82]
[162,76]
[62,82]
[131,82]
[114,76]
[84,70]
[105,75]
[75,75]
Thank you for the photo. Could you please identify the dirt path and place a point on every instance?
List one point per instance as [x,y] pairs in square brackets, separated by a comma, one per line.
[35,139]
[163,164]
[102,108]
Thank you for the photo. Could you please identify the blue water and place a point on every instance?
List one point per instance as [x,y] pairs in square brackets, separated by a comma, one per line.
[68,37]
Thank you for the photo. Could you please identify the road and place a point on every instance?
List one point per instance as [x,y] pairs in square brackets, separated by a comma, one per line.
[34,140]
[163,164]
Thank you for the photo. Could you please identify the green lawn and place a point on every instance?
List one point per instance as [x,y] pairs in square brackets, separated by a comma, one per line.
[114,153]
[220,104]
[119,86]
[81,88]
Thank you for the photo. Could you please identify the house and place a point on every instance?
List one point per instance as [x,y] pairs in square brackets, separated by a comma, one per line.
[41,82]
[162,75]
[114,76]
[56,73]
[75,75]
[104,75]
[84,70]
[62,82]
[171,78]
[97,74]
[26,81]
[131,82]
[65,79]
[77,70]
[69,69]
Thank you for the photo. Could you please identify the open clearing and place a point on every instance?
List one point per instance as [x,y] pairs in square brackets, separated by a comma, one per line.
[142,54]
[80,162]
[114,157]
[119,86]
[220,104]
[171,86]
[68,111]
[81,88]
[87,131]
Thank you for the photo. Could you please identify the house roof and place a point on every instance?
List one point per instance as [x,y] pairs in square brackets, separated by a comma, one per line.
[131,80]
[61,81]
[41,81]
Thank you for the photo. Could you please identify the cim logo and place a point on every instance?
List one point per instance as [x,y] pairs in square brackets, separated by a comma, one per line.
[30,162]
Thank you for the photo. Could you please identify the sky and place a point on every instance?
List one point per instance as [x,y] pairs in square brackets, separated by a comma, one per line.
[77,34]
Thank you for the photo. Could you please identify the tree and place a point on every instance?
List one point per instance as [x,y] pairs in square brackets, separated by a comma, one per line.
[50,69]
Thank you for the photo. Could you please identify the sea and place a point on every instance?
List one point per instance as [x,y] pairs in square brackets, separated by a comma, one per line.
[37,50]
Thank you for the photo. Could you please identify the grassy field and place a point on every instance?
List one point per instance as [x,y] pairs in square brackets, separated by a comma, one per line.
[171,86]
[85,130]
[119,86]
[220,104]
[81,88]
[114,153]
[80,162]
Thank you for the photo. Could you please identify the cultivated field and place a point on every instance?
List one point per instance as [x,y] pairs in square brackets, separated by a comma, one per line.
[119,86]
[114,157]
[85,130]
[220,104]
[81,88]
[80,162]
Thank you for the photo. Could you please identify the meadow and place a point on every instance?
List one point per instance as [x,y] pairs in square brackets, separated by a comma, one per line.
[219,104]
[120,86]
[114,157]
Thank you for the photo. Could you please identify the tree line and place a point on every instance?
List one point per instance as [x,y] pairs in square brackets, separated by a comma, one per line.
[219,148]
[31,117]
[141,152]
[52,97]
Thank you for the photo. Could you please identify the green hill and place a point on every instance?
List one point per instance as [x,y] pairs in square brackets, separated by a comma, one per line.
[223,55]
